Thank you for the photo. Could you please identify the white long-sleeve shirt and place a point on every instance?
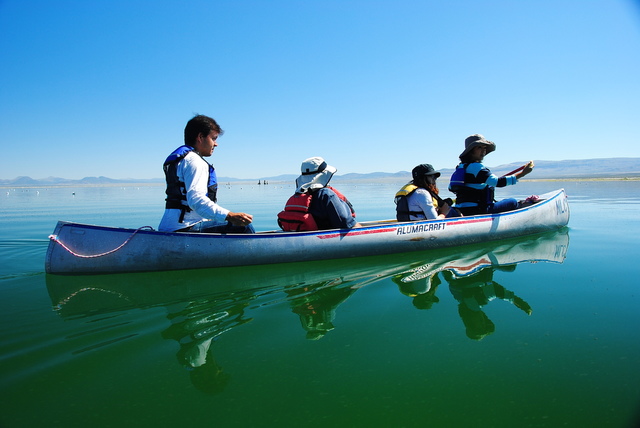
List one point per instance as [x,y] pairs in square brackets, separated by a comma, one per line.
[193,171]
[421,200]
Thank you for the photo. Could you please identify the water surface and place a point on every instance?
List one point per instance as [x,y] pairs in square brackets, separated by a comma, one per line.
[539,331]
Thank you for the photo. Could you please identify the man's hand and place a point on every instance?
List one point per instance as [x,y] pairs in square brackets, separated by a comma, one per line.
[239,219]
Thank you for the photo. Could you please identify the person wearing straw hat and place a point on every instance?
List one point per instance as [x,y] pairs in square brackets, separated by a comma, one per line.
[419,199]
[315,205]
[474,184]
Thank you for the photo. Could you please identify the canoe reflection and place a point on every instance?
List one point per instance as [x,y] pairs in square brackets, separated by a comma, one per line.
[203,304]
[471,283]
[87,295]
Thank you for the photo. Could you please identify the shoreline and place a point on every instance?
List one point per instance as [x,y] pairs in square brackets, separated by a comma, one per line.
[336,179]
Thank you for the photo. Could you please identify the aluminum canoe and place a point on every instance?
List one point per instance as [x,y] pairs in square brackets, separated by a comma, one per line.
[89,249]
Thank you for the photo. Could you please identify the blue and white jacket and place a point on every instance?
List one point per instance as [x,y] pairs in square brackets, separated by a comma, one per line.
[474,186]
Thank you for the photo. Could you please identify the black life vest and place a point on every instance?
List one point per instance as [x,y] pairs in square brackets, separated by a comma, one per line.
[176,189]
[296,216]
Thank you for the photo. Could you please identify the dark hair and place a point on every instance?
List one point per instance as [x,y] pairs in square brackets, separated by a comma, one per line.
[423,181]
[466,158]
[200,124]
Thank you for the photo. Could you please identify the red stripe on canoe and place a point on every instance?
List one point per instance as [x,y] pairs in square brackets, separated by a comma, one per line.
[358,232]
[393,229]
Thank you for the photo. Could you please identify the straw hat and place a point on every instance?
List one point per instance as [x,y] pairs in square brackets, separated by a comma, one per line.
[315,174]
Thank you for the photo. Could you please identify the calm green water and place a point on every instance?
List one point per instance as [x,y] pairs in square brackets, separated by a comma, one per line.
[534,332]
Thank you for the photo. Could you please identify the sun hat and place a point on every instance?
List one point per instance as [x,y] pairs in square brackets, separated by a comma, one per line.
[422,170]
[315,174]
[477,140]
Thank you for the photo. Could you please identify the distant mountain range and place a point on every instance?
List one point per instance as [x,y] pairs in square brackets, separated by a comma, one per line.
[566,169]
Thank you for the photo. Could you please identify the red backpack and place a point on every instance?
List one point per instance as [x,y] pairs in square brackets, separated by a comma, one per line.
[296,217]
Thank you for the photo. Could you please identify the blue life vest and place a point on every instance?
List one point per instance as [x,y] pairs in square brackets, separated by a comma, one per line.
[469,190]
[176,189]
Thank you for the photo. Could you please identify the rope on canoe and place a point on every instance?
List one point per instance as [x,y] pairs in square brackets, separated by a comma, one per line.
[55,239]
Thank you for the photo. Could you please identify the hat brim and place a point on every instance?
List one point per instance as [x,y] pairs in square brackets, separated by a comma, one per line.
[314,181]
[489,144]
[436,174]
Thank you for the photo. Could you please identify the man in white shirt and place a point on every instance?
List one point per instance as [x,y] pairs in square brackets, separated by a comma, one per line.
[191,203]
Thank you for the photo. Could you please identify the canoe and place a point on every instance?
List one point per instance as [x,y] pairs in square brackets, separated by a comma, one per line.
[84,295]
[90,249]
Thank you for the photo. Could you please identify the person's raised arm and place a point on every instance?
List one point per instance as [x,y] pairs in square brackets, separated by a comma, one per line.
[527,169]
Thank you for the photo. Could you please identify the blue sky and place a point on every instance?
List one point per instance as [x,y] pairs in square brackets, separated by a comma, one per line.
[97,87]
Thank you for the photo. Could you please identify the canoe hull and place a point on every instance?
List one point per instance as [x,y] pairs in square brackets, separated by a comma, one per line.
[88,249]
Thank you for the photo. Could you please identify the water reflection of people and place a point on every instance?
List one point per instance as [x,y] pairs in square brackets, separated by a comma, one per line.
[422,290]
[195,325]
[316,305]
[475,291]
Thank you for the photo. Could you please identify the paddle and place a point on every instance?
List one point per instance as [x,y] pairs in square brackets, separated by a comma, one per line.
[518,169]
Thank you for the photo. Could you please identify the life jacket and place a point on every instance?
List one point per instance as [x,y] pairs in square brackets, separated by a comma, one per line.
[296,216]
[176,189]
[468,193]
[402,202]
